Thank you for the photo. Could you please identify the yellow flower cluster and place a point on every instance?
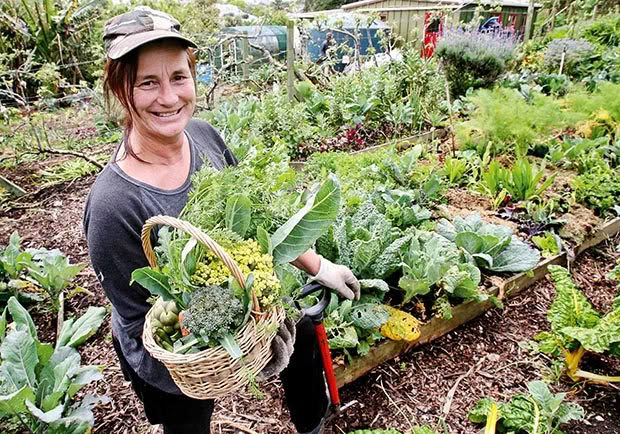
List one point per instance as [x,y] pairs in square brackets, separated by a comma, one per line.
[247,254]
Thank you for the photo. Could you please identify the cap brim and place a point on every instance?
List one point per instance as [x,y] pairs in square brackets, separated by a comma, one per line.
[131,42]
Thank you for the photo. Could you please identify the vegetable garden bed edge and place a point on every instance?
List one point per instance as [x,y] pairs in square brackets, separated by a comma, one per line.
[463,313]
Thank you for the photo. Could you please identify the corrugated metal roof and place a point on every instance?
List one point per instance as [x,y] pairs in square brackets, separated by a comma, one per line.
[508,3]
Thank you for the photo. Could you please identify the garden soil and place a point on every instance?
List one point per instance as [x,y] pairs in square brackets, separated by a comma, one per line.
[434,384]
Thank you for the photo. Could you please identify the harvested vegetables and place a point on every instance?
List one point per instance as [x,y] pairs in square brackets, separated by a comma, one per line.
[248,256]
[165,324]
[214,312]
[401,326]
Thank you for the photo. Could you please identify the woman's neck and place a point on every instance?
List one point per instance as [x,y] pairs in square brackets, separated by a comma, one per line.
[157,152]
[165,166]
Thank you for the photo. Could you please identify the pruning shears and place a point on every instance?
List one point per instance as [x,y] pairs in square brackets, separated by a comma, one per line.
[315,313]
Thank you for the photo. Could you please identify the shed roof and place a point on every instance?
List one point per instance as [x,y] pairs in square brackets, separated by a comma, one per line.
[508,3]
[346,18]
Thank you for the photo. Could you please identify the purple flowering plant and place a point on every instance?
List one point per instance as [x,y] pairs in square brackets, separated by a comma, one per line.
[574,50]
[472,58]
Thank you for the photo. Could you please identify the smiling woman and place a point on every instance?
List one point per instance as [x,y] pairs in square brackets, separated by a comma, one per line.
[150,71]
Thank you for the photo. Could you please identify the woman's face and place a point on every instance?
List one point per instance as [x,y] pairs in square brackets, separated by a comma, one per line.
[164,92]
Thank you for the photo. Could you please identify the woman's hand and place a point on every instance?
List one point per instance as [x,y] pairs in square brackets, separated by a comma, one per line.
[333,276]
[339,278]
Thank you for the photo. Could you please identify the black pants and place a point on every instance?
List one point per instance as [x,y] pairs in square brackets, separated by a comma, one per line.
[303,382]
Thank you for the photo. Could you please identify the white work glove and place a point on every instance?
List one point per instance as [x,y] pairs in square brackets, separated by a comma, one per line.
[338,278]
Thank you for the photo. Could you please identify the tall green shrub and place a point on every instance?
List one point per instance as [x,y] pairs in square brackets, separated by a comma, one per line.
[605,31]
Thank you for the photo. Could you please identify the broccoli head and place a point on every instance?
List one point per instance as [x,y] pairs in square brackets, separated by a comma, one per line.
[213,312]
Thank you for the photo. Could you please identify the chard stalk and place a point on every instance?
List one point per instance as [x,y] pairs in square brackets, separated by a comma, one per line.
[186,346]
[572,361]
[536,418]
[601,379]
[491,420]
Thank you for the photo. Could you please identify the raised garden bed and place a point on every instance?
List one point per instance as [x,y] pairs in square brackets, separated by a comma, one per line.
[437,327]
[400,143]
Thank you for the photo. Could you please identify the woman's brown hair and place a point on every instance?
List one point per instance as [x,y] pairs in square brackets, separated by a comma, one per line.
[119,79]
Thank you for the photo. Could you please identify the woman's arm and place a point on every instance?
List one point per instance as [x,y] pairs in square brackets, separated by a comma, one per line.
[309,262]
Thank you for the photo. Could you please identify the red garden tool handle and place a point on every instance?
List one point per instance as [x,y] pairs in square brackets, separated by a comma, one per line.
[321,337]
[315,313]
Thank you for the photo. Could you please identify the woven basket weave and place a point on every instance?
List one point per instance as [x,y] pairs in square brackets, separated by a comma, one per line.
[212,373]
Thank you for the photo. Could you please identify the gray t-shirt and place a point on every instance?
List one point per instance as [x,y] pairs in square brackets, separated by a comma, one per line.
[116,208]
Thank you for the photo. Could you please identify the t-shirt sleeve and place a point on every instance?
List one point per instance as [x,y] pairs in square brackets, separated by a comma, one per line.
[211,143]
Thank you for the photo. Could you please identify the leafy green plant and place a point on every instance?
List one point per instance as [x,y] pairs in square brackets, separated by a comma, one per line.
[599,188]
[53,272]
[567,152]
[434,263]
[503,117]
[454,169]
[549,244]
[401,207]
[354,324]
[493,181]
[525,179]
[39,384]
[540,411]
[14,263]
[550,84]
[14,260]
[492,247]
[521,180]
[605,31]
[367,242]
[577,328]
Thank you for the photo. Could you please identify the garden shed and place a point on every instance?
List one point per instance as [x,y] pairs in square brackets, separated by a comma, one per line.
[324,22]
[415,19]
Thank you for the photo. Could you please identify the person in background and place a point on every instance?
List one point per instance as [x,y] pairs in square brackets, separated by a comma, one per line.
[325,53]
[327,44]
[150,70]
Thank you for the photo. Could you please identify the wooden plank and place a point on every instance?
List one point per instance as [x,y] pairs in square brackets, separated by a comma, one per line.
[530,21]
[290,59]
[463,313]
[15,189]
[245,55]
[610,229]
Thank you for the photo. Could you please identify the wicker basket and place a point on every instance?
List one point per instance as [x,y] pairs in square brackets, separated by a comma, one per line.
[212,373]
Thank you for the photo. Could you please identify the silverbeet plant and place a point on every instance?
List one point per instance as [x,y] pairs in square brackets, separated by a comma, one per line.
[39,383]
[472,58]
[540,411]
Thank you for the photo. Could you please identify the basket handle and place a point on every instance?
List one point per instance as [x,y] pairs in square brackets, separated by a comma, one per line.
[202,238]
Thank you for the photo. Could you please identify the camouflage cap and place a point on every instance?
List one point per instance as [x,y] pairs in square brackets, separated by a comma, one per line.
[132,29]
